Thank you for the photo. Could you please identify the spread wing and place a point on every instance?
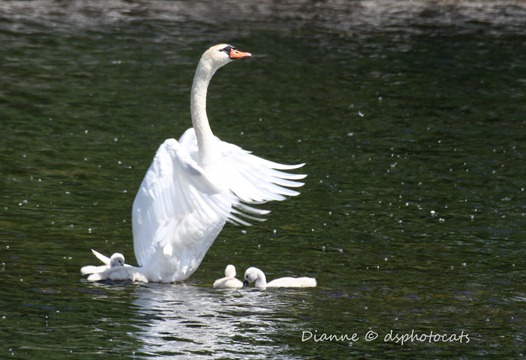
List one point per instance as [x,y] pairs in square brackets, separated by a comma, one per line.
[256,180]
[180,208]
[251,179]
[176,204]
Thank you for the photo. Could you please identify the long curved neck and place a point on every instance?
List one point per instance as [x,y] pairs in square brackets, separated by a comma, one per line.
[261,281]
[205,137]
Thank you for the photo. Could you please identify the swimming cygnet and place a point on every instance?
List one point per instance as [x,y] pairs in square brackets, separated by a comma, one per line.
[254,274]
[115,268]
[91,269]
[229,281]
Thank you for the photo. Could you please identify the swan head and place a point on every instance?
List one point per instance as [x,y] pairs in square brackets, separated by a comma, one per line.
[220,55]
[230,271]
[116,260]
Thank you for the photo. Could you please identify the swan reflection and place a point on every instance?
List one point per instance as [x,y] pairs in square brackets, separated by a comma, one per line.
[182,319]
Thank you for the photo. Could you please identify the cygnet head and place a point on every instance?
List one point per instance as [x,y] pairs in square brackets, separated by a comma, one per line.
[230,271]
[254,274]
[116,259]
[222,54]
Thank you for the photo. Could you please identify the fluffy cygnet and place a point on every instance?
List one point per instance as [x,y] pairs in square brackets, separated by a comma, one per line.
[229,281]
[115,268]
[116,259]
[254,274]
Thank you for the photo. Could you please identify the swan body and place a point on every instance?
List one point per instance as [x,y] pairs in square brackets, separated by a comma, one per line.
[115,268]
[229,281]
[254,274]
[197,184]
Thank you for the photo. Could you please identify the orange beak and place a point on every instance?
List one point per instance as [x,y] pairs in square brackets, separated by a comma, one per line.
[236,54]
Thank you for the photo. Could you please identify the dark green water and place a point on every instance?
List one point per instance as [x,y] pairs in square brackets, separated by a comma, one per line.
[410,116]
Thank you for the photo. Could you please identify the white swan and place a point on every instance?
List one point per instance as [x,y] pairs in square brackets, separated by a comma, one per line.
[254,274]
[229,281]
[115,268]
[197,184]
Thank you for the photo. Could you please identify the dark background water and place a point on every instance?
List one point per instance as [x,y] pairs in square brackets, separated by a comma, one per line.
[409,114]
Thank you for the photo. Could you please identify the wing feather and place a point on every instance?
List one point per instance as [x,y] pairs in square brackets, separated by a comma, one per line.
[251,179]
[176,206]
[181,207]
[255,180]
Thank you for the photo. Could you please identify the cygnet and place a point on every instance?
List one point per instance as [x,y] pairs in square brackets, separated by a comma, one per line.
[116,259]
[115,268]
[229,281]
[254,274]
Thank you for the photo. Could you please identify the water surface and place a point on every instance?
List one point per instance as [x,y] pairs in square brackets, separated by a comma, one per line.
[410,117]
